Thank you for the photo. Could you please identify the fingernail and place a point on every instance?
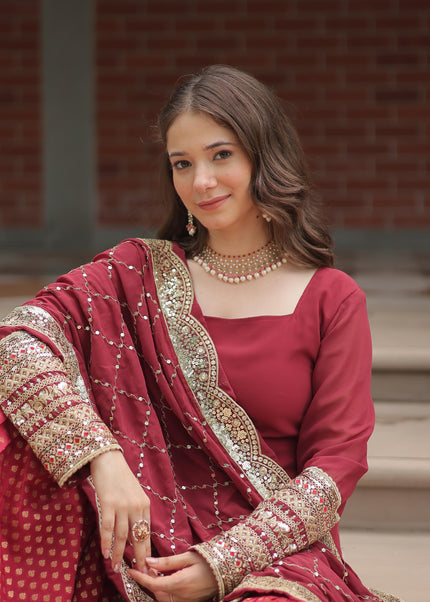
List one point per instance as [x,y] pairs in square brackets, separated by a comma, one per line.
[153,572]
[106,553]
[117,567]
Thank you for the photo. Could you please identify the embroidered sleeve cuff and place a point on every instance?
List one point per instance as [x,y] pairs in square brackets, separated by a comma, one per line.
[41,402]
[290,521]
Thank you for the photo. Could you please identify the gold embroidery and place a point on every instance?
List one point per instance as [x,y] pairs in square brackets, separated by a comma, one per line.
[40,321]
[198,360]
[311,501]
[270,584]
[315,498]
[290,521]
[44,406]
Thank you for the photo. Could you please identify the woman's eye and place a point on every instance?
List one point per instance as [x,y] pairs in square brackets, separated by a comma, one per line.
[223,154]
[181,164]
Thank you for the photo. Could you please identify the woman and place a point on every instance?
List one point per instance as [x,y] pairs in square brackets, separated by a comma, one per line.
[203,399]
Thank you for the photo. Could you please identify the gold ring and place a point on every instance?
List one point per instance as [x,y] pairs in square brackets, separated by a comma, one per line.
[140,530]
[171,597]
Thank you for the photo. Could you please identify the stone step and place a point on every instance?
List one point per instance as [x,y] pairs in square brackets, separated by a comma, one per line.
[395,493]
[393,562]
[400,383]
[401,349]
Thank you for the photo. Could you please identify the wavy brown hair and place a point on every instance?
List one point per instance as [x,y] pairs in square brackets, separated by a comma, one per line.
[280,184]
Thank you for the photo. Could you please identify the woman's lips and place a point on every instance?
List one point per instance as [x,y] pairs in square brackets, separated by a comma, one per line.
[213,203]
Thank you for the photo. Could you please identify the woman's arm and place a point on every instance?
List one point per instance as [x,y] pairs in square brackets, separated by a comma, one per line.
[66,434]
[289,521]
[39,399]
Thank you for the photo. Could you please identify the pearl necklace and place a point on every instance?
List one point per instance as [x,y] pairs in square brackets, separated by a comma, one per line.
[235,269]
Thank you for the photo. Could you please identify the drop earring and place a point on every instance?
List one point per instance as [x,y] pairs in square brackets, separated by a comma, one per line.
[266,217]
[191,226]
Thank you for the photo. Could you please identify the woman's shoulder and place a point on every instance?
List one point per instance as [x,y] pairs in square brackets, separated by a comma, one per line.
[153,245]
[334,277]
[331,287]
[134,247]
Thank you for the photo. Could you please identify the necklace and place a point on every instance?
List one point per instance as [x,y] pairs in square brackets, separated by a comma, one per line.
[235,269]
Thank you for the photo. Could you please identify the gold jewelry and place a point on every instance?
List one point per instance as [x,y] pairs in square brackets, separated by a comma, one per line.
[140,530]
[235,269]
[191,227]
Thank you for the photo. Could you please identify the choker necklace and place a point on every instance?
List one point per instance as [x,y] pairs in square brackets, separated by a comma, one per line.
[235,269]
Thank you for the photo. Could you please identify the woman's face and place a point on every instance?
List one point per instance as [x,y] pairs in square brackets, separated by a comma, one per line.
[211,172]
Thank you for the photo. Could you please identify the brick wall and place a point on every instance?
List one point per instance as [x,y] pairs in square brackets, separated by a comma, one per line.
[355,73]
[20,114]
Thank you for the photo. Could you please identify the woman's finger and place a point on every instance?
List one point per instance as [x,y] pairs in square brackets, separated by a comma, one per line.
[107,530]
[149,581]
[192,583]
[140,538]
[120,539]
[173,563]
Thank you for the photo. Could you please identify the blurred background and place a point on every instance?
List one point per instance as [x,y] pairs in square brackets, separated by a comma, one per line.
[81,83]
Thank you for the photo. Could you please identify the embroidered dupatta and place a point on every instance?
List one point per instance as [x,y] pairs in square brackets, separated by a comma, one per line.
[129,334]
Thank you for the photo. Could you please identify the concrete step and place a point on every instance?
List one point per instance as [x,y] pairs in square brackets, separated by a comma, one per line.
[395,493]
[400,383]
[401,348]
[394,562]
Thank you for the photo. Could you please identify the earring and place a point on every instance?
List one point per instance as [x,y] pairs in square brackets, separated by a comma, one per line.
[266,217]
[191,226]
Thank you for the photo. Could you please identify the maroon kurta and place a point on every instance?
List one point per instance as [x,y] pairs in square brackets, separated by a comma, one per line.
[304,378]
[122,342]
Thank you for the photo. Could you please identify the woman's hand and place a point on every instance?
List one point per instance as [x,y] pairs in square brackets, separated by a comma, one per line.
[190,578]
[122,503]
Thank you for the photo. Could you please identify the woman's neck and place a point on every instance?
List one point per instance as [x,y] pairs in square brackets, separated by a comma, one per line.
[234,243]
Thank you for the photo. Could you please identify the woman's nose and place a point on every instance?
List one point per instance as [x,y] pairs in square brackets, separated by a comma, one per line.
[204,178]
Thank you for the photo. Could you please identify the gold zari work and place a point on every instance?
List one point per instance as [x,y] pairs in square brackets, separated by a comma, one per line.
[199,362]
[240,550]
[271,584]
[291,520]
[293,513]
[45,407]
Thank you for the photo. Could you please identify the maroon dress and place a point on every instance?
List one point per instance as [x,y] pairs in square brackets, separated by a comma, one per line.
[248,431]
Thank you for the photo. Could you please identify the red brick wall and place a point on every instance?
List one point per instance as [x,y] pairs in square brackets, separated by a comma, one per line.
[356,73]
[20,115]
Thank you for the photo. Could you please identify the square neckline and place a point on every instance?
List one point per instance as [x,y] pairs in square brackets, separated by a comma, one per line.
[302,297]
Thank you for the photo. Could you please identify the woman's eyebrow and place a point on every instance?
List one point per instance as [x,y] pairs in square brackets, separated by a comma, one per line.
[177,154]
[219,143]
[208,147]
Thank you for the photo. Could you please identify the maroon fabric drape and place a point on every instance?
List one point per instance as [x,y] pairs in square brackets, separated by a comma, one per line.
[151,387]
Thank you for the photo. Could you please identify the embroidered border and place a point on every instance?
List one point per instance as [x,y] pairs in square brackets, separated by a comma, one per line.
[198,359]
[47,409]
[277,584]
[289,521]
[39,320]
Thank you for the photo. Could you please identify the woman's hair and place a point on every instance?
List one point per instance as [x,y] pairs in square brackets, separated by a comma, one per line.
[280,184]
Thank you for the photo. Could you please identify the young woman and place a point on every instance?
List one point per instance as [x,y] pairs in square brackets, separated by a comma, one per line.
[198,406]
